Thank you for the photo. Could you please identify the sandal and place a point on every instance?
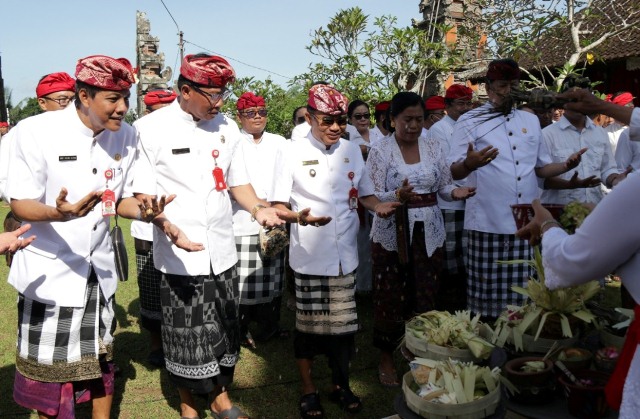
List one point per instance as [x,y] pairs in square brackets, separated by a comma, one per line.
[233,413]
[310,403]
[345,398]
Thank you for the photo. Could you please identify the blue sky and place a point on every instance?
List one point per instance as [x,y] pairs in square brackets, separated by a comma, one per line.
[41,37]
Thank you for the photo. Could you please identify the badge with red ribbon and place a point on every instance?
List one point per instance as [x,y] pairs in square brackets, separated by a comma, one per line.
[353,193]
[218,174]
[108,196]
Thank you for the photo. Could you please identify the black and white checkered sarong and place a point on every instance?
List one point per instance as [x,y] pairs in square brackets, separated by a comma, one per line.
[63,344]
[149,288]
[261,280]
[489,283]
[326,305]
[455,242]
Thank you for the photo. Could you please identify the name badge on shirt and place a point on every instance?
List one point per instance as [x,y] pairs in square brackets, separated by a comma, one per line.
[309,162]
[181,151]
[67,158]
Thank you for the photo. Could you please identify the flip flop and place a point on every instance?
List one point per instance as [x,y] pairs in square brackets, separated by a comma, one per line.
[311,403]
[347,401]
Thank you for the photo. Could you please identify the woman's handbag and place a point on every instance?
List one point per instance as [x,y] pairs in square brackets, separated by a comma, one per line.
[120,252]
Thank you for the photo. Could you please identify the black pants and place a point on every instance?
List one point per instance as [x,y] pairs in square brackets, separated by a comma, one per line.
[338,349]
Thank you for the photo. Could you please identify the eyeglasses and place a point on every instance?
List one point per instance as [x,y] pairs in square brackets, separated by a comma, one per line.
[327,121]
[361,116]
[252,114]
[213,97]
[62,100]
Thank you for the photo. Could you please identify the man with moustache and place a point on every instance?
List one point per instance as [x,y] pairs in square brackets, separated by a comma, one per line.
[499,150]
[189,148]
[326,173]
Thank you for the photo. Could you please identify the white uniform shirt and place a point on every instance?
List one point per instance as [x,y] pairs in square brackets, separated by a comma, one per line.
[443,131]
[510,178]
[300,131]
[309,176]
[55,150]
[562,140]
[176,158]
[260,159]
[614,131]
[432,174]
[606,241]
[627,152]
[5,151]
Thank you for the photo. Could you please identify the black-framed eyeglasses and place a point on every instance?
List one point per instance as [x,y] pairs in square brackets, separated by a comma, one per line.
[327,120]
[213,97]
[361,116]
[62,100]
[252,113]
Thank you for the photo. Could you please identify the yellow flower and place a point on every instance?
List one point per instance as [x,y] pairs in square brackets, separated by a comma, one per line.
[590,58]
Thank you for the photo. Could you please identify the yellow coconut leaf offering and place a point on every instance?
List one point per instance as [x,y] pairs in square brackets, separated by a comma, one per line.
[543,303]
[456,330]
[454,382]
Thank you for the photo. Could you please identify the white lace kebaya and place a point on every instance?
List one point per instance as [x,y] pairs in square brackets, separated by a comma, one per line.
[432,174]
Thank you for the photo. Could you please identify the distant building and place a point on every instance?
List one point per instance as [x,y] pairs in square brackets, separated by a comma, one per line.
[151,74]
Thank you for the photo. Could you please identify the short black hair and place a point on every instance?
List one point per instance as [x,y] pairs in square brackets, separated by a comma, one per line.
[92,91]
[295,111]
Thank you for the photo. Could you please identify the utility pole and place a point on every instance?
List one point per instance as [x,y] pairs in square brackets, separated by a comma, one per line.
[3,105]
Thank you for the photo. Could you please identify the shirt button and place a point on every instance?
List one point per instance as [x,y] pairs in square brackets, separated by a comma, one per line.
[508,119]
[519,195]
[514,147]
[95,227]
[517,162]
[518,178]
[95,170]
[510,133]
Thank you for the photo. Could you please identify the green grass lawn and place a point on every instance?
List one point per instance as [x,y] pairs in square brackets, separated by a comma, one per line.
[266,380]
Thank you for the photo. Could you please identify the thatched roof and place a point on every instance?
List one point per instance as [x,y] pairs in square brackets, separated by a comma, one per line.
[555,46]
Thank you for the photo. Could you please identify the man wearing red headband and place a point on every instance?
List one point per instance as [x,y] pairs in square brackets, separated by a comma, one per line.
[380,114]
[327,173]
[500,151]
[193,150]
[70,170]
[457,101]
[261,277]
[615,129]
[54,91]
[158,98]
[433,112]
